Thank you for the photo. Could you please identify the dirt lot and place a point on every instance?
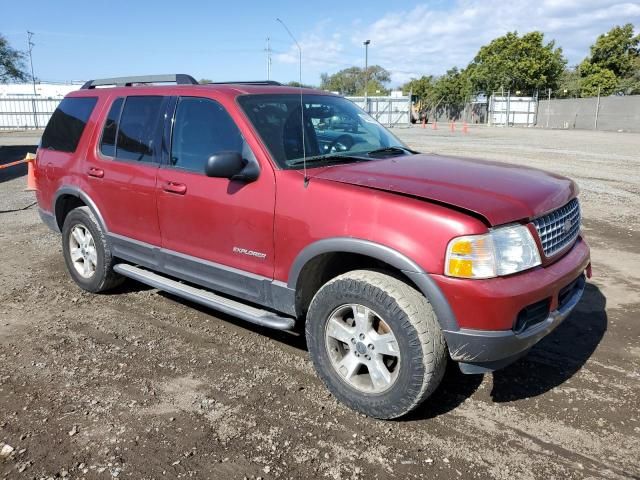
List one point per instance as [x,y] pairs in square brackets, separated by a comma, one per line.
[138,384]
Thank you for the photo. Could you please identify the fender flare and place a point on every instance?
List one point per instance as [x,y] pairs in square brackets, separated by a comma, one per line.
[412,270]
[78,193]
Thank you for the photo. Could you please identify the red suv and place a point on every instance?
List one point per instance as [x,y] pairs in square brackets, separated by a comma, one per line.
[249,198]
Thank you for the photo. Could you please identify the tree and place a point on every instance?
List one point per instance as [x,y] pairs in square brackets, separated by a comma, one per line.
[596,79]
[616,50]
[351,81]
[204,81]
[420,87]
[569,84]
[515,62]
[631,84]
[453,88]
[613,64]
[11,63]
[294,83]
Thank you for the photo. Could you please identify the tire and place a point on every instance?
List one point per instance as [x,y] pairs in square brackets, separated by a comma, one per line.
[97,252]
[386,303]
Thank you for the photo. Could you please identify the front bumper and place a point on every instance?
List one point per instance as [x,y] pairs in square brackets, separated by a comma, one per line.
[480,351]
[486,311]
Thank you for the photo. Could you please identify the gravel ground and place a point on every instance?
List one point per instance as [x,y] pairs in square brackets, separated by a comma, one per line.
[139,384]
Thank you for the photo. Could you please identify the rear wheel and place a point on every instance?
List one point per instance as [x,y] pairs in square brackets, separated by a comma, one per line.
[376,343]
[87,253]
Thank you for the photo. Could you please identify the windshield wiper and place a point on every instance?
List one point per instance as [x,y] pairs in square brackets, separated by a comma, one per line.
[330,158]
[391,151]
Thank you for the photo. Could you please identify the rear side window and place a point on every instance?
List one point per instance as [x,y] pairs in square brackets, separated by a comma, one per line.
[202,128]
[138,128]
[67,123]
[108,143]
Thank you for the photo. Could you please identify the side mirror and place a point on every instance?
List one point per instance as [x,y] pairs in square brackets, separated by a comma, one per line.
[224,165]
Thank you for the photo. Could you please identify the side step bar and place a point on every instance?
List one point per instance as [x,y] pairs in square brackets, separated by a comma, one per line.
[251,314]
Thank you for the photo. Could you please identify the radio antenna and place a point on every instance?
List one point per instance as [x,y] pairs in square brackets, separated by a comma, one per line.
[304,148]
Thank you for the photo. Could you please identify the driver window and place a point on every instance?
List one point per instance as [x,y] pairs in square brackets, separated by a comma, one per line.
[202,128]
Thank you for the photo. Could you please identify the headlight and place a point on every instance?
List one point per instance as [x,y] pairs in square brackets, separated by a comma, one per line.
[502,251]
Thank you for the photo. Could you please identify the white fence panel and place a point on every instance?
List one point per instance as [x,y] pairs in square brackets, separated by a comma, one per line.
[26,112]
[389,111]
[512,111]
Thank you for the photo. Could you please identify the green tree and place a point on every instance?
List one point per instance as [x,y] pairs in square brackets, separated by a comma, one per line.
[294,83]
[596,79]
[516,62]
[452,88]
[569,84]
[11,63]
[613,64]
[616,50]
[204,81]
[351,81]
[420,87]
[631,84]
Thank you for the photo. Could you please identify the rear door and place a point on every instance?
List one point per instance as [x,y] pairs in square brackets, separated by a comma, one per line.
[121,173]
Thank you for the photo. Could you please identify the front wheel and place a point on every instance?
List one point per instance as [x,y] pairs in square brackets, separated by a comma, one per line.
[376,343]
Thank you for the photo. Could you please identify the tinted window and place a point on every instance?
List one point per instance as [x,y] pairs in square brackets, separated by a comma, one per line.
[108,144]
[138,128]
[67,123]
[202,128]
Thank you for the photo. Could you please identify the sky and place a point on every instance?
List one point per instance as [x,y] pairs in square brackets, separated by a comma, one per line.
[80,40]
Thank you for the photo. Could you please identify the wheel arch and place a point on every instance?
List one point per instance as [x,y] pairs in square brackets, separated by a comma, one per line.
[69,197]
[303,274]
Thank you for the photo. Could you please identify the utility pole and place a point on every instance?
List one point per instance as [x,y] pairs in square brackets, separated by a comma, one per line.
[268,50]
[366,73]
[595,122]
[30,46]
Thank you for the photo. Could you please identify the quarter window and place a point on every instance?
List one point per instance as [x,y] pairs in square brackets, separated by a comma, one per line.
[108,143]
[202,128]
[67,123]
[138,128]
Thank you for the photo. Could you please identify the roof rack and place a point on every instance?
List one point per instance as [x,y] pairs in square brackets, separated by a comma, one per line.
[178,78]
[248,82]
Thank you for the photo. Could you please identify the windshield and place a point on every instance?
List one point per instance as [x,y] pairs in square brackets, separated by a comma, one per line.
[334,128]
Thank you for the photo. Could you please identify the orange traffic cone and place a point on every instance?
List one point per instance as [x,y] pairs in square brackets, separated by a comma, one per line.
[31,178]
[465,128]
[452,126]
[424,122]
[435,124]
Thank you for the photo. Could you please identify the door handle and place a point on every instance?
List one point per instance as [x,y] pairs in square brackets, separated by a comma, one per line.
[174,187]
[95,172]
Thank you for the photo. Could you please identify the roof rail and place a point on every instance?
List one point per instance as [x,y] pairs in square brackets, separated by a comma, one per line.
[248,82]
[178,78]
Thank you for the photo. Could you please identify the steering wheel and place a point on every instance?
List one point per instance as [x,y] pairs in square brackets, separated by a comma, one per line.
[341,144]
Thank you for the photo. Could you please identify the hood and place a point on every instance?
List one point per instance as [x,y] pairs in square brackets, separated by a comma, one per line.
[499,192]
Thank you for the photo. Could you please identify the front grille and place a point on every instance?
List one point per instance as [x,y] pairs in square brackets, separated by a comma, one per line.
[559,228]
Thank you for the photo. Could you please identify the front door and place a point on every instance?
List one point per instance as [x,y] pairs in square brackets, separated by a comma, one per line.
[218,227]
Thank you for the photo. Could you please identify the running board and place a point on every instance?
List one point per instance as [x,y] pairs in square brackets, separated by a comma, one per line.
[251,314]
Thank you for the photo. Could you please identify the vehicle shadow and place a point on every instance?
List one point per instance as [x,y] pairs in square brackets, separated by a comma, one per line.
[12,153]
[550,363]
[293,339]
[557,357]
